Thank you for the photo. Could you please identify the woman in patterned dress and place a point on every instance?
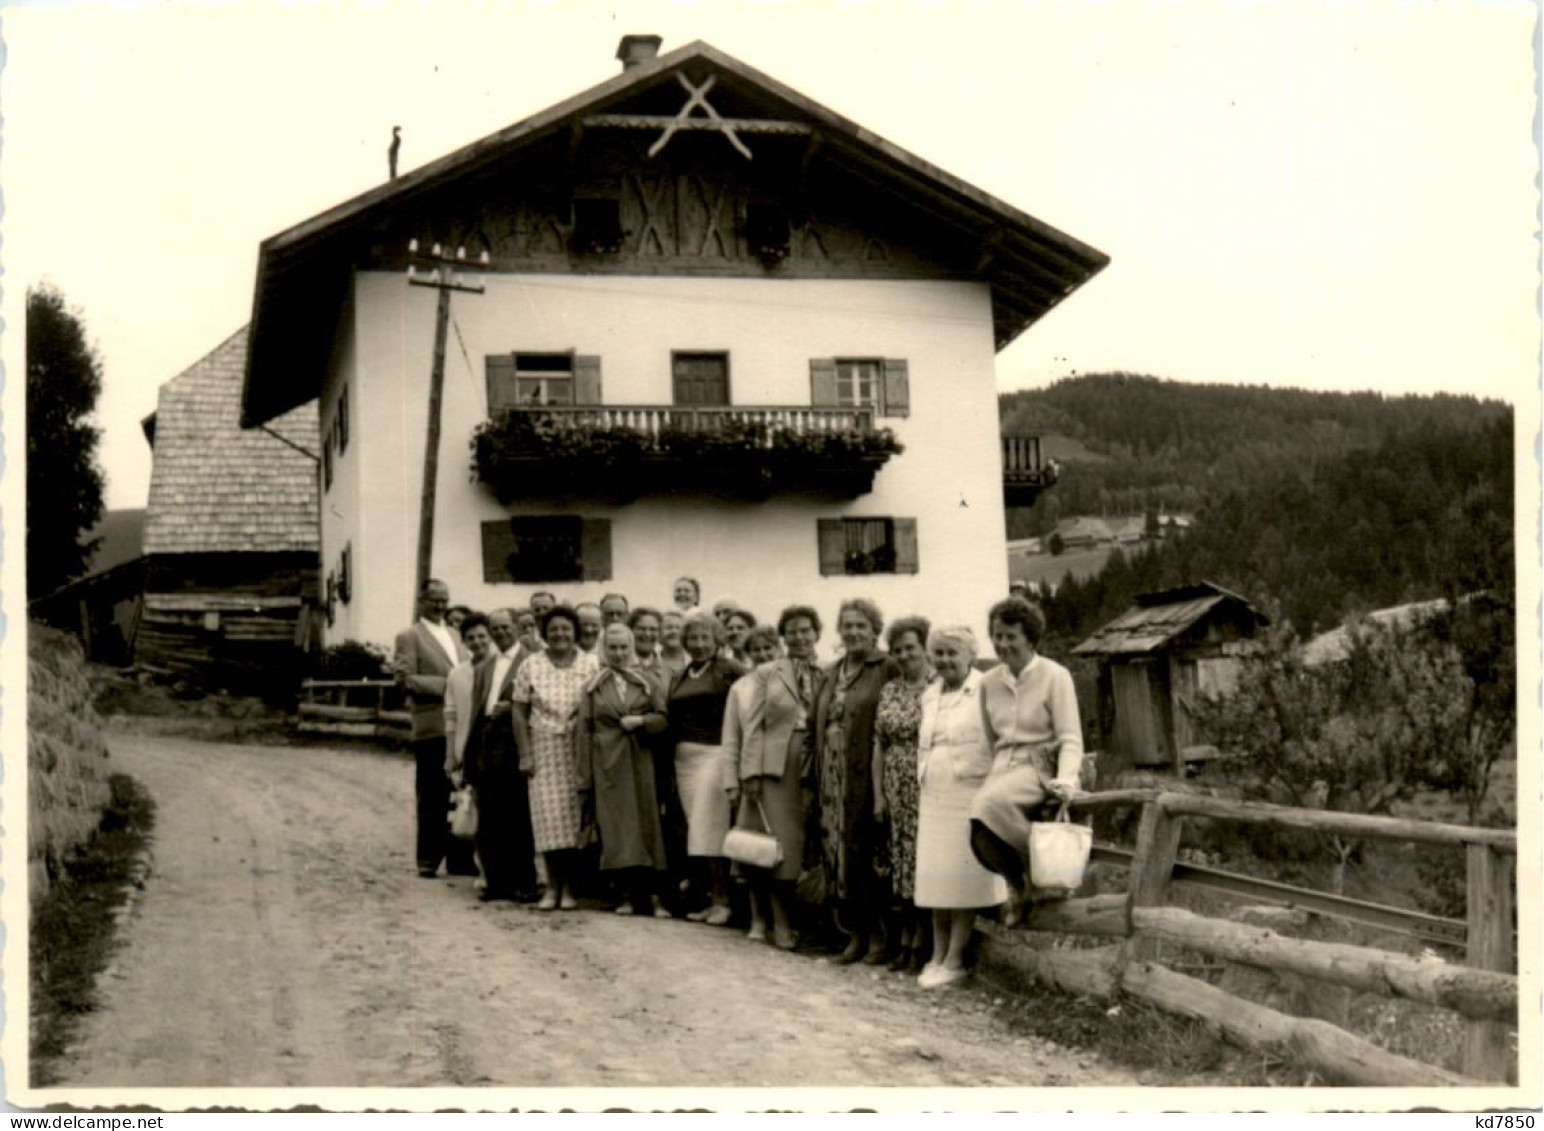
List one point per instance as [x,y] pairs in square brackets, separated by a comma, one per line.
[548,688]
[896,721]
[844,728]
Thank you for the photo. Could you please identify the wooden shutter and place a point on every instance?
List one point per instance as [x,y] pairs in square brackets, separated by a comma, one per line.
[587,382]
[595,549]
[832,535]
[342,421]
[897,388]
[906,544]
[346,574]
[823,382]
[498,544]
[501,382]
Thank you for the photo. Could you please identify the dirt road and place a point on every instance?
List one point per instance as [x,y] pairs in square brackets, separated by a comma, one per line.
[283,939]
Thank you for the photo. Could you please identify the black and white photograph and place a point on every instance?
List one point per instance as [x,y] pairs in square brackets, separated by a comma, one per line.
[786,555]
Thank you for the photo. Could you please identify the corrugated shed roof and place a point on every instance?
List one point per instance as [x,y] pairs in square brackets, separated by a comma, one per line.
[1335,645]
[1158,618]
[217,488]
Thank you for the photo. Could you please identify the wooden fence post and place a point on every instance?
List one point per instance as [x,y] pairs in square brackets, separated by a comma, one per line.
[1151,867]
[1487,1052]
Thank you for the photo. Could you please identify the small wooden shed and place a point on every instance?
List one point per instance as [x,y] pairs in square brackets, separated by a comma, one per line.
[1156,658]
[231,532]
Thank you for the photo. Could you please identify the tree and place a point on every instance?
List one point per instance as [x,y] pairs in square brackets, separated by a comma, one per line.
[1056,545]
[1391,718]
[64,483]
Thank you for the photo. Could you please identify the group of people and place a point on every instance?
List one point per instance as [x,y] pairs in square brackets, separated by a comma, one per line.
[898,782]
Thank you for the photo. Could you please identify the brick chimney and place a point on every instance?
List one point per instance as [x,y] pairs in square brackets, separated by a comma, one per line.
[635,50]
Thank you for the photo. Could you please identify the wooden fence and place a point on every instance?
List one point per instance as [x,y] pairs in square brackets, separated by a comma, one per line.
[360,708]
[1483,990]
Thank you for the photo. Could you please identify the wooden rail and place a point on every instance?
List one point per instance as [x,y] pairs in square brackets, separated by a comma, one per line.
[1484,990]
[360,708]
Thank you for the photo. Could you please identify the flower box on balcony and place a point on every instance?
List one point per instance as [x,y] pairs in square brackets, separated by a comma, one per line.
[624,452]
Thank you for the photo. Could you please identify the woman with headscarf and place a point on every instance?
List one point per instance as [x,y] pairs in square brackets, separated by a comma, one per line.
[844,730]
[896,722]
[548,687]
[696,708]
[953,761]
[1032,726]
[619,707]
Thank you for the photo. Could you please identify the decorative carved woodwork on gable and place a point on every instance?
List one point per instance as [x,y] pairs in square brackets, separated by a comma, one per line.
[685,212]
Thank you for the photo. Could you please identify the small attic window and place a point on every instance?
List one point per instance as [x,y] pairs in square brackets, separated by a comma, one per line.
[768,233]
[597,226]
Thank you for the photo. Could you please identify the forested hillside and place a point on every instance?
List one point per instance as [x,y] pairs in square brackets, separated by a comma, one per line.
[1314,505]
[1130,443]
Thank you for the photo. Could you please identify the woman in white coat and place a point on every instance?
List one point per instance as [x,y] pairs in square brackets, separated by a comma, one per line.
[953,760]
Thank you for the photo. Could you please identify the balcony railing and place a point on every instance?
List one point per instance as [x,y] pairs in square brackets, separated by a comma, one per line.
[621,452]
[652,419]
[1025,472]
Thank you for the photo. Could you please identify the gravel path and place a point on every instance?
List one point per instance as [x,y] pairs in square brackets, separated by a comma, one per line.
[284,940]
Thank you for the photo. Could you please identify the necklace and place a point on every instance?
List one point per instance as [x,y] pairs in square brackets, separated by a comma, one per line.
[696,671]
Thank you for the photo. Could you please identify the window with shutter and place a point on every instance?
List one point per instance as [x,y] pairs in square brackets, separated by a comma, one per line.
[346,574]
[526,380]
[533,549]
[326,467]
[858,546]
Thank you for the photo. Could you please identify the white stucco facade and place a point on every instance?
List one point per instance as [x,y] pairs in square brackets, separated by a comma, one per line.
[764,554]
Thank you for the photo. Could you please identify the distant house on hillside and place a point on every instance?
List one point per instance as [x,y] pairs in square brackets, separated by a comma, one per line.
[231,531]
[1156,658]
[1083,532]
[102,608]
[1128,530]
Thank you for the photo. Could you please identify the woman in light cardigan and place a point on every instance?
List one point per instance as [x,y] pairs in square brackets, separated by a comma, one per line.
[1030,715]
[953,760]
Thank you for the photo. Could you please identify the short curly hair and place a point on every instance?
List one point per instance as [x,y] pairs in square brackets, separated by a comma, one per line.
[866,607]
[560,612]
[901,627]
[763,633]
[640,612]
[1015,611]
[798,612]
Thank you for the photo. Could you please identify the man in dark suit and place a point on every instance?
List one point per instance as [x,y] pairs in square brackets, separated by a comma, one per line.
[504,841]
[422,659]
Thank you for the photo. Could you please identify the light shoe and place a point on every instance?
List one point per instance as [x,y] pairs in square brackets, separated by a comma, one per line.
[568,902]
[549,901]
[660,911]
[757,933]
[624,908]
[717,916]
[937,977]
[697,916]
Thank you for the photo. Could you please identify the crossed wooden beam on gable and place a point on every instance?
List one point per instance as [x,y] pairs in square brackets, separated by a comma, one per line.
[697,96]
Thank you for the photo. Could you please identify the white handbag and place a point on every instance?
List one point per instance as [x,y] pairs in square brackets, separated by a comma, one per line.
[1058,852]
[463,814]
[751,848]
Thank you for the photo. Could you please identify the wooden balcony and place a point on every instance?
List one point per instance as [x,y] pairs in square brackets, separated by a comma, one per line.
[1025,471]
[619,453]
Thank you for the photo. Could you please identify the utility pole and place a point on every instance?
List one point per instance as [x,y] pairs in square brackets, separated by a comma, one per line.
[444,274]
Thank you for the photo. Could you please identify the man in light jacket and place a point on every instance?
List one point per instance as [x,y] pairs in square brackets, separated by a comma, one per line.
[422,659]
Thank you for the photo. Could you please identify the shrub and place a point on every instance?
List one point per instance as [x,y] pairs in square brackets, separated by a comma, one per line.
[66,755]
[353,659]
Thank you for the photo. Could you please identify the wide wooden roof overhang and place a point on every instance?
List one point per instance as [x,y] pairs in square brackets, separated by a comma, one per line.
[303,273]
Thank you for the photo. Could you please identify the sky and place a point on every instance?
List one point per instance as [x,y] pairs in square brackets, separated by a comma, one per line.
[1330,195]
